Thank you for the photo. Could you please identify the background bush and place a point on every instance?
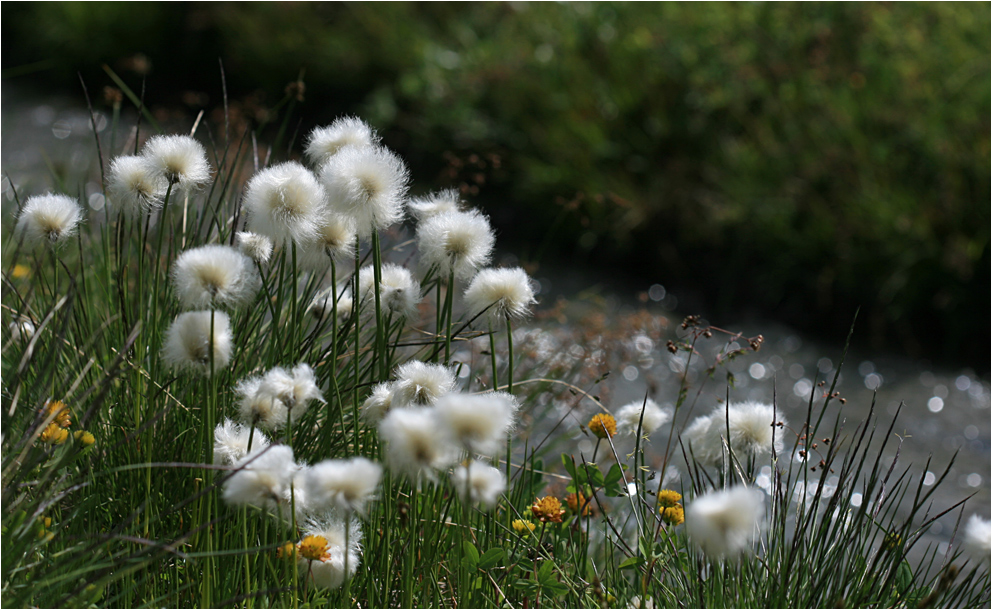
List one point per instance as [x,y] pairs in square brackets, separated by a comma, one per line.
[797,160]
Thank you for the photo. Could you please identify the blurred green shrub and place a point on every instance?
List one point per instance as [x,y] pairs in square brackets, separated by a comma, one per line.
[801,158]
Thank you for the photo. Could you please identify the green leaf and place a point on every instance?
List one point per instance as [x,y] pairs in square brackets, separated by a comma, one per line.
[631,562]
[555,588]
[490,558]
[471,557]
[528,586]
[545,573]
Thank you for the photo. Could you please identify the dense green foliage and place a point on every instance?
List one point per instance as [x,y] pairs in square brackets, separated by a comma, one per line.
[801,159]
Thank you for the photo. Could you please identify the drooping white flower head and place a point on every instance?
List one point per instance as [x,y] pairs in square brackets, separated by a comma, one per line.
[421,383]
[423,208]
[629,417]
[752,429]
[345,485]
[254,246]
[367,184]
[215,276]
[482,483]
[724,522]
[477,422]
[48,219]
[295,388]
[285,202]
[325,142]
[335,241]
[501,293]
[978,538]
[415,444]
[262,477]
[180,160]
[188,341]
[399,291]
[455,241]
[322,306]
[328,571]
[21,329]
[637,603]
[261,408]
[231,442]
[379,402]
[296,495]
[134,185]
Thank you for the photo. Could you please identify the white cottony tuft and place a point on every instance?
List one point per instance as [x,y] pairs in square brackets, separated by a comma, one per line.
[415,444]
[724,523]
[325,142]
[367,184]
[215,276]
[399,291]
[254,246]
[328,571]
[378,403]
[423,208]
[48,219]
[285,202]
[421,383]
[478,483]
[455,241]
[978,537]
[295,389]
[753,433]
[322,306]
[231,442]
[346,485]
[188,341]
[262,477]
[335,241]
[261,408]
[180,160]
[134,185]
[629,417]
[478,423]
[502,293]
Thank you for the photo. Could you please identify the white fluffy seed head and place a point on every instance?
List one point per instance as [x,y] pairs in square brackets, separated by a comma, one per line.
[263,409]
[379,402]
[215,276]
[329,573]
[188,341]
[421,383]
[479,423]
[753,433]
[254,246]
[415,445]
[367,184]
[179,160]
[48,219]
[285,202]
[134,185]
[455,241]
[502,293]
[723,523]
[335,241]
[262,477]
[21,329]
[426,207]
[978,538]
[231,442]
[346,485]
[629,417]
[399,291]
[322,306]
[295,388]
[325,142]
[478,483]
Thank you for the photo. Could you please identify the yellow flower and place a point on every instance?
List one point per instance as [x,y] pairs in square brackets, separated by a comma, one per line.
[314,548]
[672,515]
[21,271]
[667,497]
[54,434]
[548,509]
[286,550]
[59,412]
[577,501]
[84,437]
[523,527]
[602,425]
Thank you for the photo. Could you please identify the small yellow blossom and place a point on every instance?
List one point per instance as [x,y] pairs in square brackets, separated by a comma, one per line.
[314,548]
[668,497]
[602,425]
[21,272]
[548,509]
[59,412]
[84,437]
[523,527]
[578,501]
[54,434]
[672,515]
[286,550]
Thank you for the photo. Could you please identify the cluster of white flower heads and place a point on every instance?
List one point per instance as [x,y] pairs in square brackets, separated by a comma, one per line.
[725,522]
[48,219]
[752,429]
[215,276]
[278,397]
[646,416]
[501,293]
[189,340]
[459,242]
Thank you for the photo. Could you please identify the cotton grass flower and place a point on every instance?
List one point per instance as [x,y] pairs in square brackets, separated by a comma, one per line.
[346,485]
[321,308]
[335,241]
[367,184]
[188,341]
[379,402]
[421,383]
[752,433]
[322,563]
[724,522]
[285,202]
[180,160]
[415,445]
[134,185]
[325,142]
[978,538]
[231,442]
[215,276]
[629,417]
[21,329]
[259,408]
[478,483]
[262,477]
[441,202]
[48,219]
[479,423]
[399,292]
[461,242]
[254,246]
[295,388]
[502,293]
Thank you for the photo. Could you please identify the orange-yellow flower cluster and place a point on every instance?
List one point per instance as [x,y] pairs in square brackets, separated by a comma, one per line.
[602,425]
[671,511]
[578,502]
[548,509]
[314,548]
